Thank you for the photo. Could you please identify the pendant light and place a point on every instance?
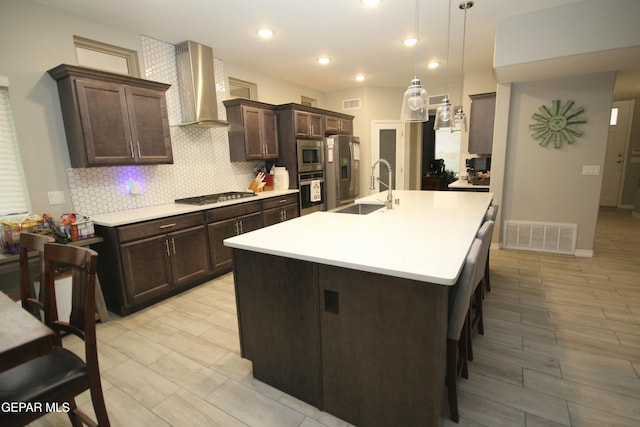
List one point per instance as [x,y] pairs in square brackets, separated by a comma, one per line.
[444,112]
[415,104]
[460,119]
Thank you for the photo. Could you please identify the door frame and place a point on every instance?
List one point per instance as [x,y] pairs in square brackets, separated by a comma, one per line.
[399,127]
[626,119]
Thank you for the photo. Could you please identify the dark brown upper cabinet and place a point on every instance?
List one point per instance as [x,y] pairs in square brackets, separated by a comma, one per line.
[483,107]
[253,134]
[113,119]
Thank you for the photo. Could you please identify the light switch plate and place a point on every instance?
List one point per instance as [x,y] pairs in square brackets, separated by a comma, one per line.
[591,170]
[56,197]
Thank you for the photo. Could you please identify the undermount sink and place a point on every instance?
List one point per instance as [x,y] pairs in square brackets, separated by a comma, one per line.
[360,209]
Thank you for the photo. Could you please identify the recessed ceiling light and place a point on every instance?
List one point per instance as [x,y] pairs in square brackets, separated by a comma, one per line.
[370,2]
[360,78]
[323,60]
[433,65]
[265,33]
[410,41]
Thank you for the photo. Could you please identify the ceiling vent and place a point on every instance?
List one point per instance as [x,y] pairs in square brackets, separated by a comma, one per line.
[541,236]
[351,104]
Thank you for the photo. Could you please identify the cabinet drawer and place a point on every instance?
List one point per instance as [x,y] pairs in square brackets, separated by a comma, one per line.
[158,226]
[220,214]
[275,202]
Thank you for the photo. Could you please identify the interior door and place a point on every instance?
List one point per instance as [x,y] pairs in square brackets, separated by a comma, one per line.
[388,143]
[614,161]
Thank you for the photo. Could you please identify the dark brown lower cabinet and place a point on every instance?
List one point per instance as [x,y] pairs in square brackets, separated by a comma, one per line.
[145,262]
[227,222]
[365,347]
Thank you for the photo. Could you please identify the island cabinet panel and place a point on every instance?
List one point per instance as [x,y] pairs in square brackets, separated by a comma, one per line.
[366,347]
[382,352]
[113,119]
[278,320]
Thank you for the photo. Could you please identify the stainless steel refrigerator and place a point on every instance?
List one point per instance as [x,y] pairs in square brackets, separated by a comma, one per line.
[342,169]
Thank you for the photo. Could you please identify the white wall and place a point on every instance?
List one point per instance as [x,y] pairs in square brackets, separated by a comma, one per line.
[34,40]
[544,183]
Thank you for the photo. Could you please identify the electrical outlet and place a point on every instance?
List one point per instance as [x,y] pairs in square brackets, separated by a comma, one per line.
[591,170]
[56,197]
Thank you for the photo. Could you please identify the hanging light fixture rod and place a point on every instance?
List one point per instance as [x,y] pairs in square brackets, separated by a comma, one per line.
[460,118]
[415,103]
[443,112]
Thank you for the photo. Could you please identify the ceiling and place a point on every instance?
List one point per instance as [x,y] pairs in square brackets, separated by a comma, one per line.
[359,39]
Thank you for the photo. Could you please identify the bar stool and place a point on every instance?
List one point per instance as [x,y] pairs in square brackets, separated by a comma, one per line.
[459,326]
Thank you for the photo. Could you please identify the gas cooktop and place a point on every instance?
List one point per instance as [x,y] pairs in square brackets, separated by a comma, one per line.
[215,198]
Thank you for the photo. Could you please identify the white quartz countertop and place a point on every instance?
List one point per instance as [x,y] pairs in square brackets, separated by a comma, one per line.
[465,184]
[131,216]
[425,237]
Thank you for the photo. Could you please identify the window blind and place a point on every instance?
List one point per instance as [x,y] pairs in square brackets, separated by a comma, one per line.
[14,196]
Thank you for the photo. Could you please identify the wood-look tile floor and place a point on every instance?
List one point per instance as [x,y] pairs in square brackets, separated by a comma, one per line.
[561,348]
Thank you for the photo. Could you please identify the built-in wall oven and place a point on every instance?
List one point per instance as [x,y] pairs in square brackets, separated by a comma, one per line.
[310,155]
[312,196]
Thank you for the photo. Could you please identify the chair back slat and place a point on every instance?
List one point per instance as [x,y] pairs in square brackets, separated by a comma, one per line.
[82,262]
[32,242]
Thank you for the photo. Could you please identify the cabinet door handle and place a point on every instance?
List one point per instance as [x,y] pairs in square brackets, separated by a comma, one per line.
[173,245]
[282,201]
[284,214]
[237,227]
[131,148]
[138,145]
[173,224]
[166,246]
[241,228]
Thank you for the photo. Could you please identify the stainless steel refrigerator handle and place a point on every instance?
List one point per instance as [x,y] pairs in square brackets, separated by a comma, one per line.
[352,184]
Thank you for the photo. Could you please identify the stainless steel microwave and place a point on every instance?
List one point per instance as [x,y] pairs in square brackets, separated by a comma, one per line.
[310,155]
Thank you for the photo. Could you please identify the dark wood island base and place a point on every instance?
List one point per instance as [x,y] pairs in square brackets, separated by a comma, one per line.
[365,347]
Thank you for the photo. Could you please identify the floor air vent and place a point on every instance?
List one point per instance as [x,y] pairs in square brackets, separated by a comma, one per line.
[540,236]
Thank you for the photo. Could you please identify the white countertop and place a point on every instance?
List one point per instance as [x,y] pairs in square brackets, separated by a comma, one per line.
[465,184]
[426,237]
[114,219]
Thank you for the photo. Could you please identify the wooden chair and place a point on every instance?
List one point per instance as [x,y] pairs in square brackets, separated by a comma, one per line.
[31,242]
[459,326]
[60,375]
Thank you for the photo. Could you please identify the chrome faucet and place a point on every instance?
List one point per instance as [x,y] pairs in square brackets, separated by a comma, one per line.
[389,202]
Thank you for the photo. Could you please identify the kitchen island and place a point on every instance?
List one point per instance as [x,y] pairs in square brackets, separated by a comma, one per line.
[349,312]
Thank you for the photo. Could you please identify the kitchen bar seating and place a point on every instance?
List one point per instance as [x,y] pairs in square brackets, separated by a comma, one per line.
[31,242]
[52,381]
[458,330]
[492,214]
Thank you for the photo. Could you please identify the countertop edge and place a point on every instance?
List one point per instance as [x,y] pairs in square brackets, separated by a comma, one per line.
[115,219]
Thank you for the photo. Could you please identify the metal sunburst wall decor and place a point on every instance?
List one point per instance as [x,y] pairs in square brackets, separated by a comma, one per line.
[558,123]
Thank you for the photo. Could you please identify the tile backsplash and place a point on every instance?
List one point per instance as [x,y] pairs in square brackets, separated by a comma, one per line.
[201,156]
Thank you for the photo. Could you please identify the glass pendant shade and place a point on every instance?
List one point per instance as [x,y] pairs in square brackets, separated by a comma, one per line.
[415,104]
[459,122]
[443,115]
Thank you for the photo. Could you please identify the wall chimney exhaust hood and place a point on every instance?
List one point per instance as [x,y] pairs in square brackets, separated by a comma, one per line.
[197,85]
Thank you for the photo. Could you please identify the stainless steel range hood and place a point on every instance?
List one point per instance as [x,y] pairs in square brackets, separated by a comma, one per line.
[197,85]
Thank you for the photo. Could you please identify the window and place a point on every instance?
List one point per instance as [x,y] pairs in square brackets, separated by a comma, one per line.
[613,121]
[14,197]
[242,89]
[309,102]
[94,54]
